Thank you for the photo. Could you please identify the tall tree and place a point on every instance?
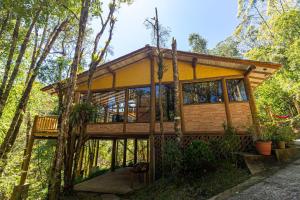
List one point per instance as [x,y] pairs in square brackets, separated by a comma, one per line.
[197,43]
[160,35]
[55,179]
[177,117]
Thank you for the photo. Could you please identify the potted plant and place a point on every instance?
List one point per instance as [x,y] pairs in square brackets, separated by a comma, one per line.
[263,143]
[279,140]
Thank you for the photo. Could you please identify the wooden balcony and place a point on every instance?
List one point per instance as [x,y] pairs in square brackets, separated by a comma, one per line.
[45,126]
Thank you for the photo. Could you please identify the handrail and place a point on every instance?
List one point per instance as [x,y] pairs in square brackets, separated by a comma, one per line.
[45,124]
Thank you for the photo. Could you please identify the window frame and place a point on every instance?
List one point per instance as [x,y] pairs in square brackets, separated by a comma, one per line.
[202,81]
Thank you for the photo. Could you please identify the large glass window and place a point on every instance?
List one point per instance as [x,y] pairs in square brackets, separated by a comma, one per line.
[202,92]
[236,90]
[139,105]
[167,101]
[110,106]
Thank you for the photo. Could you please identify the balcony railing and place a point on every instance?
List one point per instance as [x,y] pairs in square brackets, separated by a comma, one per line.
[45,124]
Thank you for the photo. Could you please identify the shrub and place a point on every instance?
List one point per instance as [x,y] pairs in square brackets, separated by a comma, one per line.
[82,113]
[198,158]
[231,142]
[173,158]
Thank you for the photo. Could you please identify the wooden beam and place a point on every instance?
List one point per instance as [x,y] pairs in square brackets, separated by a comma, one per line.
[113,155]
[181,108]
[249,70]
[135,151]
[226,103]
[124,152]
[194,65]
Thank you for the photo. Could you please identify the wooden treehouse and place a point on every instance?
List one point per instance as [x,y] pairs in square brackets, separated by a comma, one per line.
[213,90]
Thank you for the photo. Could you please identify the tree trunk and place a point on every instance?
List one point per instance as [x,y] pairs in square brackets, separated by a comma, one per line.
[55,184]
[13,131]
[177,117]
[13,45]
[15,71]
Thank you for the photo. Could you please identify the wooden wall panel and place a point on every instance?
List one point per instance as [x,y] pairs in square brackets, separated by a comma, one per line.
[137,127]
[241,115]
[168,127]
[203,71]
[103,82]
[135,74]
[105,128]
[204,117]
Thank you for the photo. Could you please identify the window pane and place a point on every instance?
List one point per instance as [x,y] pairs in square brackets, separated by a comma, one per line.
[236,90]
[139,105]
[202,92]
[110,106]
[167,101]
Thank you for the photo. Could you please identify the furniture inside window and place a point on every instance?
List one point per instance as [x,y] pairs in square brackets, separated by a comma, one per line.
[167,102]
[139,105]
[202,92]
[110,106]
[236,90]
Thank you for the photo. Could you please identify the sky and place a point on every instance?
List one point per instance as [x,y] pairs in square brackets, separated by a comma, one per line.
[213,19]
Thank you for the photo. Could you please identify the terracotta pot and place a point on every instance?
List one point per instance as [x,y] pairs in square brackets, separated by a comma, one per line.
[264,147]
[280,144]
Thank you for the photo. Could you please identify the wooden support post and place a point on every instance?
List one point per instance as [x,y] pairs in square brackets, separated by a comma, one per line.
[124,152]
[97,153]
[252,104]
[113,155]
[135,151]
[152,121]
[194,64]
[117,150]
[126,110]
[226,102]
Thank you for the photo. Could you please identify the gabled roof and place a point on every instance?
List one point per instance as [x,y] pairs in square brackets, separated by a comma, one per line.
[261,71]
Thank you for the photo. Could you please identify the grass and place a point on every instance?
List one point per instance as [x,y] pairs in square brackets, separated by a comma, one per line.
[226,176]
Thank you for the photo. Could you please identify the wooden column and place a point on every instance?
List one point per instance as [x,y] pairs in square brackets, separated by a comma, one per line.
[97,153]
[226,102]
[126,110]
[181,108]
[124,152]
[113,155]
[152,121]
[194,64]
[135,151]
[252,103]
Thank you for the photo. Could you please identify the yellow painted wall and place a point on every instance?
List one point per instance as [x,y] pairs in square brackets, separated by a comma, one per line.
[135,74]
[203,71]
[102,82]
[139,74]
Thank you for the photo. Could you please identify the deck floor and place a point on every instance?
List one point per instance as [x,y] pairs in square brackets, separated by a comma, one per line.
[117,182]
